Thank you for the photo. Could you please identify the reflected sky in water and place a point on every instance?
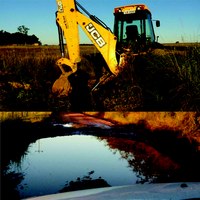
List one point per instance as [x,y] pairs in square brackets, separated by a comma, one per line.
[51,162]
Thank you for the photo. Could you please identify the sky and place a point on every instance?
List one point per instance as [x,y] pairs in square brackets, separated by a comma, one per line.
[180,19]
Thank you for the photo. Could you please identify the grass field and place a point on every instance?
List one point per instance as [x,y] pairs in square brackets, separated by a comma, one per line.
[162,80]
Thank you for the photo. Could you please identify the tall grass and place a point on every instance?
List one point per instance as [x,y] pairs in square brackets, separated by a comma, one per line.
[22,66]
[187,69]
[170,80]
[160,80]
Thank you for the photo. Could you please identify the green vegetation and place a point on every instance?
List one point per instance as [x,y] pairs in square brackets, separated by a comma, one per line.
[161,80]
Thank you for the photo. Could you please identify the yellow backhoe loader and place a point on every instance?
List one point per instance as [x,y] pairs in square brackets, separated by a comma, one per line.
[133,34]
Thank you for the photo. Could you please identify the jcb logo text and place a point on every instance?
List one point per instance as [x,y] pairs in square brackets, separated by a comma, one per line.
[95,35]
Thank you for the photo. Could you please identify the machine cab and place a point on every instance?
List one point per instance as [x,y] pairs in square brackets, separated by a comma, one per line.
[133,27]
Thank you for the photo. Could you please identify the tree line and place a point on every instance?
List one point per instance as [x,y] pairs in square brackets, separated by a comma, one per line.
[20,38]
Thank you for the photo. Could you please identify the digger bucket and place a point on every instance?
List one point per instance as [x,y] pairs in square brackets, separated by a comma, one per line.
[62,86]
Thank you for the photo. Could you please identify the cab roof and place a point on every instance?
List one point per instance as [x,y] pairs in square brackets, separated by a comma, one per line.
[129,9]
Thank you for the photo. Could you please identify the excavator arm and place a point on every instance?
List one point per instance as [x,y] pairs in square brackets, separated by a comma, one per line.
[68,17]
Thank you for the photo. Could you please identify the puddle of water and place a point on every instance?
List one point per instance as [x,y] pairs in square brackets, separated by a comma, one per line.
[120,156]
[52,162]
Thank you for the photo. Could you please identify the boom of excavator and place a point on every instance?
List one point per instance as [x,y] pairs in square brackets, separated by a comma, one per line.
[68,18]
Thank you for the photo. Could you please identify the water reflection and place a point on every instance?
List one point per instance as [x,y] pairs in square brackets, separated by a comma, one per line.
[41,163]
[10,181]
[148,163]
[65,158]
[86,182]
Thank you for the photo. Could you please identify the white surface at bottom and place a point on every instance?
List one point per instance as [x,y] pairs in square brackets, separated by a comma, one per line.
[137,191]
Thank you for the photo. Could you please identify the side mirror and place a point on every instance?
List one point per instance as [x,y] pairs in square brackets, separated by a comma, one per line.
[157,23]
